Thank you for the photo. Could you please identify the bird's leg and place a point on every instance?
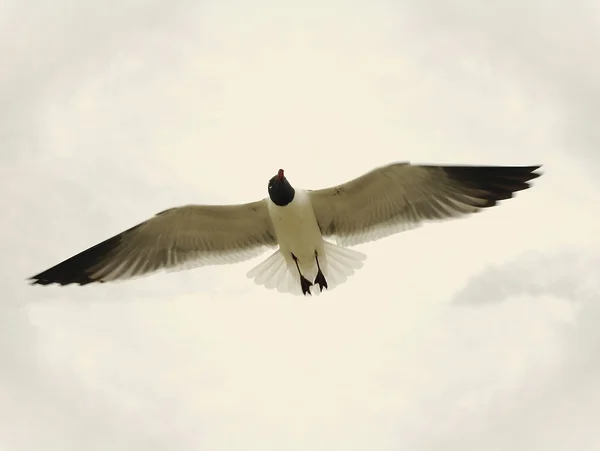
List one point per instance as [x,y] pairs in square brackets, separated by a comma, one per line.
[304,283]
[320,279]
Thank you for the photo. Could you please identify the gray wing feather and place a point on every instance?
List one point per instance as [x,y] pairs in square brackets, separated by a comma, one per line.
[178,238]
[401,196]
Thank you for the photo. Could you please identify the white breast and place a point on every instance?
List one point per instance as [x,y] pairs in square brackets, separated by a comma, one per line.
[297,229]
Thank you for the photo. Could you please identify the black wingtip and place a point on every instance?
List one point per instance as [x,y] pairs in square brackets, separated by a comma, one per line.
[64,273]
[496,182]
[45,278]
[77,269]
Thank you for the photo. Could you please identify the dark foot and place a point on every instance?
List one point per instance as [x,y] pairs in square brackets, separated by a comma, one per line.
[305,283]
[320,280]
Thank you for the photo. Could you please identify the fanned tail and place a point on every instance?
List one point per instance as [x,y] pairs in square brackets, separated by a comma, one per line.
[273,273]
[279,273]
[340,263]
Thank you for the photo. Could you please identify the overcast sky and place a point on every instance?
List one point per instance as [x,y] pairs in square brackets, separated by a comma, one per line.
[477,334]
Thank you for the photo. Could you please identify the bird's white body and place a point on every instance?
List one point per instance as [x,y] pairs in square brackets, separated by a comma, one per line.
[298,232]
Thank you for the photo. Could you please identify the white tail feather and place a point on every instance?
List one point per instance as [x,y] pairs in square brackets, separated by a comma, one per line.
[280,273]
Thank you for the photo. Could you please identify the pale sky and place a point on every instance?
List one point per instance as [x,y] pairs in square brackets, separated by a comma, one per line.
[477,334]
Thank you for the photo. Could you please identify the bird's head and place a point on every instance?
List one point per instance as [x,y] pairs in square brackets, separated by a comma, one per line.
[280,190]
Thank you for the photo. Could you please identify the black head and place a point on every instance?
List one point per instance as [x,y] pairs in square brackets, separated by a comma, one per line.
[280,190]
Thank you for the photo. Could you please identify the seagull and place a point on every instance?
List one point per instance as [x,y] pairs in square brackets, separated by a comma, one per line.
[300,225]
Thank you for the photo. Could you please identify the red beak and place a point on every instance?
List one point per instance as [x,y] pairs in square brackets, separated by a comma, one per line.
[280,174]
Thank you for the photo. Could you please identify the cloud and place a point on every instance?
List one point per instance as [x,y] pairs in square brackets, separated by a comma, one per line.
[46,407]
[564,274]
[552,408]
[550,50]
[51,48]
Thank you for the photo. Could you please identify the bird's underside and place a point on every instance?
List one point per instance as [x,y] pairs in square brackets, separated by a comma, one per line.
[382,202]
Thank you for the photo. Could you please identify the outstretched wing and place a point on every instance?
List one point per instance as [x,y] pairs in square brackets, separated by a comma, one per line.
[402,196]
[177,238]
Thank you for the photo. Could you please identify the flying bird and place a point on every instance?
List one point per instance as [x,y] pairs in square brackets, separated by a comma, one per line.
[298,224]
